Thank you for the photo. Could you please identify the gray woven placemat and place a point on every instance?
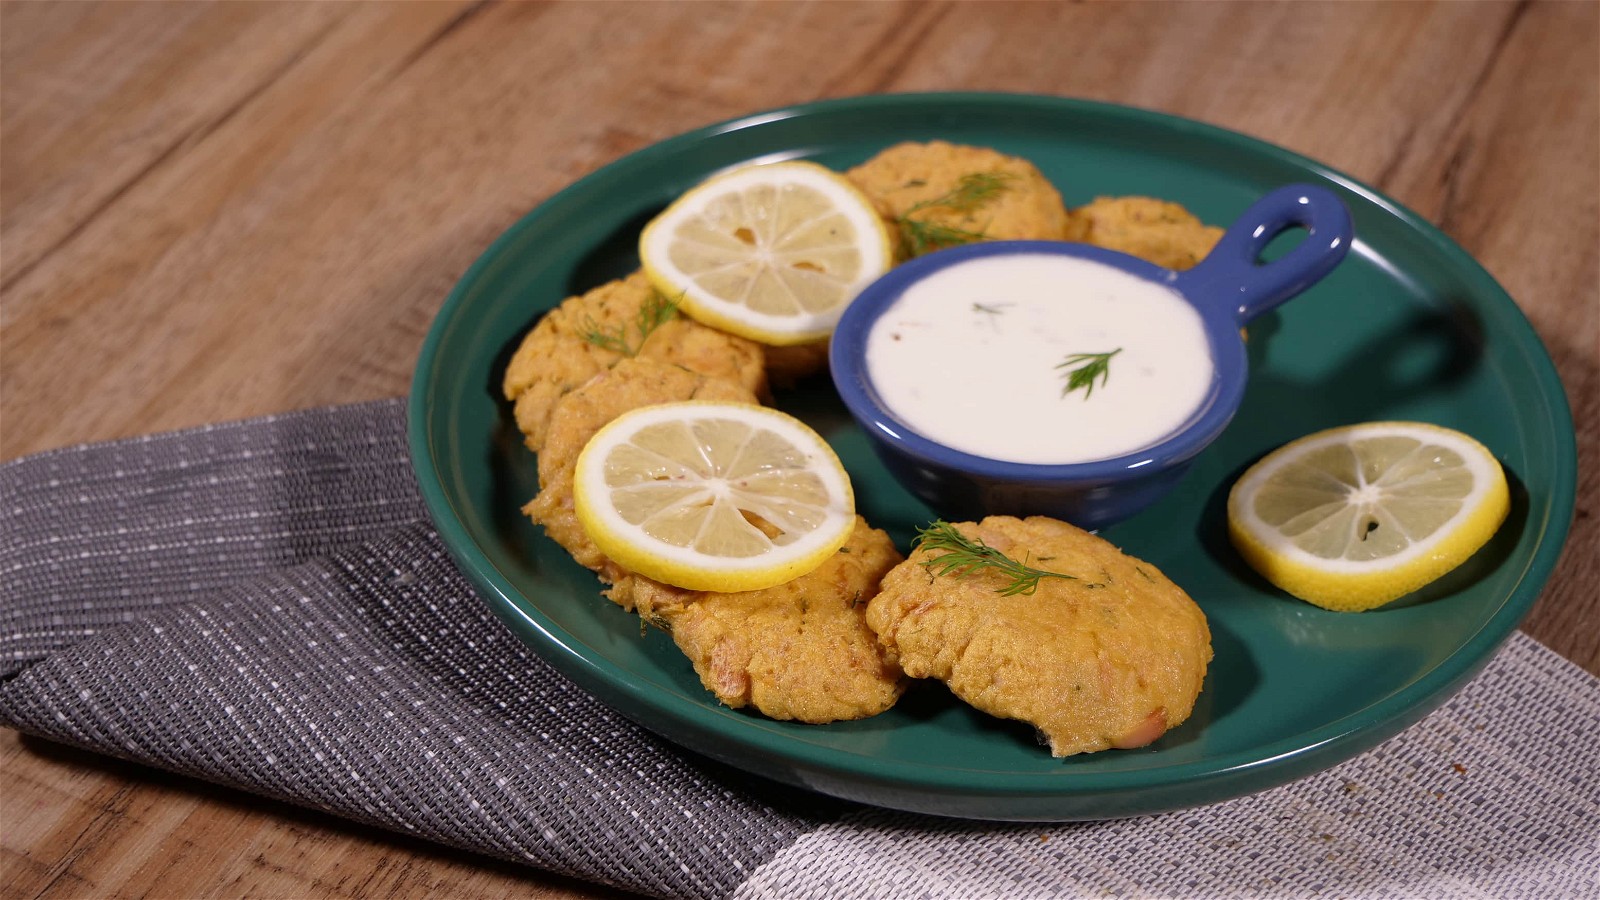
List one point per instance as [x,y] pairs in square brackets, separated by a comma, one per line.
[263,604]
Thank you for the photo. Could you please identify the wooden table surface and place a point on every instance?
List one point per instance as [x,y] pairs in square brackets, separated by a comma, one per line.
[213,211]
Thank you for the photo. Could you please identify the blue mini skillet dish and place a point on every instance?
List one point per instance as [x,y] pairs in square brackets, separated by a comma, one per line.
[1230,287]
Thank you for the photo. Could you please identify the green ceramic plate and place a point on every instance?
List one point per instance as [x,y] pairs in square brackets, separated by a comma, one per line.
[1408,327]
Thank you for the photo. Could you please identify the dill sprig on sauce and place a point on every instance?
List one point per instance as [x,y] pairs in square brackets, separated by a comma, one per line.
[1089,367]
[973,191]
[963,555]
[655,312]
[991,313]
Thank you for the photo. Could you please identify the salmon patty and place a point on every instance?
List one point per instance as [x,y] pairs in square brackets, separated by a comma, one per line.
[800,650]
[592,332]
[1111,655]
[1153,230]
[907,181]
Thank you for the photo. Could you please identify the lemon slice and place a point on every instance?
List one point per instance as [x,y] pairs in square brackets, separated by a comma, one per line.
[770,252]
[713,496]
[1354,517]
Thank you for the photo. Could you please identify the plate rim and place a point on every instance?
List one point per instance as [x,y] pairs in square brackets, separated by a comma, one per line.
[1293,757]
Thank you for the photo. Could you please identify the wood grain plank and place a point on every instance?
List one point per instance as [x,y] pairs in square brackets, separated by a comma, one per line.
[178,259]
[98,95]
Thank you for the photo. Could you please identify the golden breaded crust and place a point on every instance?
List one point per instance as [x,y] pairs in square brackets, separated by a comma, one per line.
[799,651]
[1113,658]
[557,356]
[904,175]
[630,384]
[1153,230]
[787,365]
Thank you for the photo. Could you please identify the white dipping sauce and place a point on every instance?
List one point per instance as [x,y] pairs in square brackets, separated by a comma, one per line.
[969,357]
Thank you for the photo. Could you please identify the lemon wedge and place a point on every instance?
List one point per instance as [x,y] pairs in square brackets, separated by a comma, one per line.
[771,252]
[1352,518]
[713,496]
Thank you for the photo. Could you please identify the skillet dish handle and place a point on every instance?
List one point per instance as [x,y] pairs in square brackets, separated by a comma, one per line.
[1233,272]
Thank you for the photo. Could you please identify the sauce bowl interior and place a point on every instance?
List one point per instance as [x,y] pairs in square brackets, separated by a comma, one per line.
[1231,286]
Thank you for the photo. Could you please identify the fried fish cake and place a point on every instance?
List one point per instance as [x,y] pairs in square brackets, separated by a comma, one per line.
[1112,657]
[1153,230]
[630,384]
[788,365]
[801,650]
[1026,205]
[798,651]
[592,332]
